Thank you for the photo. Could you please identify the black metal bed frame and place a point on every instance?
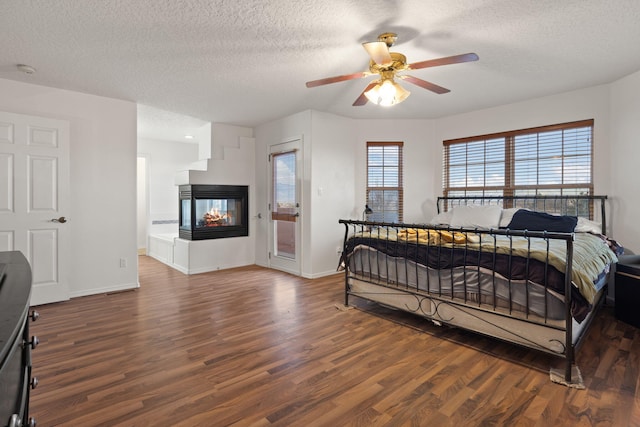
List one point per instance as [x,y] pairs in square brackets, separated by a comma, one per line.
[566,205]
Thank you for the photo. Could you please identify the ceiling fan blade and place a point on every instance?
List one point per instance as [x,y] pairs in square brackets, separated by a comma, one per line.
[456,59]
[337,79]
[379,52]
[425,84]
[362,99]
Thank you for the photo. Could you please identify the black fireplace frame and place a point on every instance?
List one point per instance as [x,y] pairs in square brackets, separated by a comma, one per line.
[193,192]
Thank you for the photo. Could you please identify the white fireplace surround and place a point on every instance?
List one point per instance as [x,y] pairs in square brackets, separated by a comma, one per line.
[199,256]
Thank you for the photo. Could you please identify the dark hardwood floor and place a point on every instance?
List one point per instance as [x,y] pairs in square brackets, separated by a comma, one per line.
[256,347]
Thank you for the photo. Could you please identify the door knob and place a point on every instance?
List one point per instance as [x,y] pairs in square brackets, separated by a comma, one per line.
[61,220]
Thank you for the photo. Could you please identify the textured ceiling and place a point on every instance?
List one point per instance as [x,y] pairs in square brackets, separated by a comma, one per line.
[246,62]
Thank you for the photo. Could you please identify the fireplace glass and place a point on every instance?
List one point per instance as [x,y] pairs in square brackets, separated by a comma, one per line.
[213,211]
[217,213]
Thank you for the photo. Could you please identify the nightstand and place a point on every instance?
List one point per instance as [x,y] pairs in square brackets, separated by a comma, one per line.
[627,289]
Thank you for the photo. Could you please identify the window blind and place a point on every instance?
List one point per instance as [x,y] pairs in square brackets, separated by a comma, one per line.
[384,181]
[550,160]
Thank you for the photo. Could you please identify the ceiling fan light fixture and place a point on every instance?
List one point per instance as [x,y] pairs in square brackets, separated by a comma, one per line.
[387,93]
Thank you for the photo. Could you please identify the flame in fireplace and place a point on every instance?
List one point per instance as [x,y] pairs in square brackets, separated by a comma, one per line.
[214,218]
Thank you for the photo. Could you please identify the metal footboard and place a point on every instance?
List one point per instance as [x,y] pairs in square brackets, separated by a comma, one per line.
[466,279]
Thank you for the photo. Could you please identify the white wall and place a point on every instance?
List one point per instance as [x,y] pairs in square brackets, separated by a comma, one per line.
[423,141]
[615,109]
[331,190]
[334,145]
[328,190]
[334,179]
[142,207]
[103,180]
[276,132]
[590,103]
[422,154]
[164,160]
[625,152]
[103,168]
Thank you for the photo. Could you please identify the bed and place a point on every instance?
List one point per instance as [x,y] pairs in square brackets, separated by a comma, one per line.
[530,270]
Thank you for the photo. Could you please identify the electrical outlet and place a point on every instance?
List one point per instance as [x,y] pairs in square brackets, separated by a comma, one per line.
[123,263]
[338,249]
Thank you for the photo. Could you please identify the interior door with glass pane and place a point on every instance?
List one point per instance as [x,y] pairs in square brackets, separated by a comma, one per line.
[284,207]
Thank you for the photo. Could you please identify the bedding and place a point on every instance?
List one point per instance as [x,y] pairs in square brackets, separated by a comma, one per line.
[585,225]
[541,221]
[506,216]
[476,216]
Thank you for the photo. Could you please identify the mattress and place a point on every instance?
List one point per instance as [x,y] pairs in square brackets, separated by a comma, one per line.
[495,269]
[472,285]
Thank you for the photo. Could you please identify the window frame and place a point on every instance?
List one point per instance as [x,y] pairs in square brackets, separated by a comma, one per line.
[510,188]
[399,188]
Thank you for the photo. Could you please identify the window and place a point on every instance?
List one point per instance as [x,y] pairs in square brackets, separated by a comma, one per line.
[549,160]
[384,181]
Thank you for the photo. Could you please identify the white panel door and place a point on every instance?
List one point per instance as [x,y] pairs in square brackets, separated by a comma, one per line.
[34,199]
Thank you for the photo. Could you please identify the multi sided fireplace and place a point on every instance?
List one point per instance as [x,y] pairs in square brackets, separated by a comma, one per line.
[213,211]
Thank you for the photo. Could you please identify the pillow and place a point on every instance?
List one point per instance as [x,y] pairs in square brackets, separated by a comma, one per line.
[587,226]
[443,218]
[506,216]
[484,216]
[541,221]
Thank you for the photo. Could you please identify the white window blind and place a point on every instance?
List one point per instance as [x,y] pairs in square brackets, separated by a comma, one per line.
[551,160]
[384,181]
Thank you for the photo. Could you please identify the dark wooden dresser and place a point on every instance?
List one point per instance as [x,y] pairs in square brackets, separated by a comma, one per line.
[16,380]
[627,289]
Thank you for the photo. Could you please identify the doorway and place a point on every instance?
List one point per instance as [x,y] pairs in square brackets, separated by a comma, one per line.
[142,204]
[35,200]
[285,210]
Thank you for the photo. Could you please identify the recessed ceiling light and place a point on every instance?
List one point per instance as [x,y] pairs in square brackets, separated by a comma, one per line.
[27,69]
[188,137]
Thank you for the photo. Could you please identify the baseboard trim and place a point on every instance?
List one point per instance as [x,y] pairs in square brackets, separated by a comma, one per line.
[105,290]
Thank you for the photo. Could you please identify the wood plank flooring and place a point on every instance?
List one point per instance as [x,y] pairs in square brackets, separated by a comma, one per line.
[256,347]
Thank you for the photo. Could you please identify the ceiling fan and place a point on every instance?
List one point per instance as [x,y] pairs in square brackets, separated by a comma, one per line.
[385,90]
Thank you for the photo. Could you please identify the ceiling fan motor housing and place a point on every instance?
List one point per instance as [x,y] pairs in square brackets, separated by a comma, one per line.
[399,63]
